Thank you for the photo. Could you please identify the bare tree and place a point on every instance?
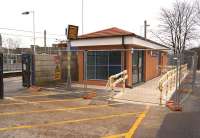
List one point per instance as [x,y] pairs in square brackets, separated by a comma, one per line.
[11,43]
[198,12]
[178,25]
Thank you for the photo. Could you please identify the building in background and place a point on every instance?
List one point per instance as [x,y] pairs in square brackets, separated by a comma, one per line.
[141,65]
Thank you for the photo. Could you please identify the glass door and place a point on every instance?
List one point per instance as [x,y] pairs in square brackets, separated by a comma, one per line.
[137,66]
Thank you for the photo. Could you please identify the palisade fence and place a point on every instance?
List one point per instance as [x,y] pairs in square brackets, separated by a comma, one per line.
[51,68]
[12,63]
[95,67]
[12,60]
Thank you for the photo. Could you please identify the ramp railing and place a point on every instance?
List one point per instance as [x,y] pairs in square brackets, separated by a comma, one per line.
[169,81]
[116,79]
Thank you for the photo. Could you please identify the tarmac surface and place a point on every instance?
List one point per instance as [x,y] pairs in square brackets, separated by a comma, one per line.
[54,113]
[60,113]
[184,124]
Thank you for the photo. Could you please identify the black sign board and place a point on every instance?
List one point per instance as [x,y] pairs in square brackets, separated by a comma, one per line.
[72,33]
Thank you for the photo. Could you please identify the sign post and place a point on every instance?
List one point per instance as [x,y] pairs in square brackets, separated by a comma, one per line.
[72,34]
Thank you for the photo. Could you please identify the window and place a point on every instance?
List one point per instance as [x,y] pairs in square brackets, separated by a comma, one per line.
[102,64]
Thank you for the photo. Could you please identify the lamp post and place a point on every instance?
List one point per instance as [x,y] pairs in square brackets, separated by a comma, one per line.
[82,14]
[33,12]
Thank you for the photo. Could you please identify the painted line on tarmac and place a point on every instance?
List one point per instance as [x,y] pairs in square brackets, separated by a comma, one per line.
[59,109]
[38,95]
[46,94]
[137,123]
[37,102]
[22,102]
[134,127]
[115,136]
[67,121]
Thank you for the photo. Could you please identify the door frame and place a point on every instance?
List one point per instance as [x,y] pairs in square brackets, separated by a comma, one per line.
[140,54]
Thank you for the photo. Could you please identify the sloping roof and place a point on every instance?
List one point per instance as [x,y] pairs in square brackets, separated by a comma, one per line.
[110,32]
[115,32]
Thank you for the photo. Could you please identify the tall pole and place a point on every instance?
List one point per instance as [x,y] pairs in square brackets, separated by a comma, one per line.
[34,50]
[45,38]
[82,16]
[68,65]
[195,59]
[1,77]
[33,12]
[68,61]
[0,42]
[145,29]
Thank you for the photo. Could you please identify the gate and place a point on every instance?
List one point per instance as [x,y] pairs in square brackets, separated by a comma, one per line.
[26,70]
[1,77]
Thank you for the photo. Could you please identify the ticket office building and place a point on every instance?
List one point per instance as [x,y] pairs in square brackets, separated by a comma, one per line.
[113,50]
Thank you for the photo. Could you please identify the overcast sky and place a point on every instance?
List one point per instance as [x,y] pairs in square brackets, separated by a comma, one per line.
[55,15]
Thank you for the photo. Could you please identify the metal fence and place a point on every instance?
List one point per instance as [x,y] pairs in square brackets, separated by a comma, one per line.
[12,63]
[149,69]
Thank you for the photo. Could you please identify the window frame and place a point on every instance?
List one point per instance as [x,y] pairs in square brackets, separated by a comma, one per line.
[108,65]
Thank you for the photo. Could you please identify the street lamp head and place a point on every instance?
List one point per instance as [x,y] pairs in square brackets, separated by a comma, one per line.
[25,13]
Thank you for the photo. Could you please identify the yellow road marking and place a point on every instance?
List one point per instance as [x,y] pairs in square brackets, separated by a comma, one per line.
[45,94]
[116,136]
[132,130]
[47,101]
[59,109]
[136,124]
[67,121]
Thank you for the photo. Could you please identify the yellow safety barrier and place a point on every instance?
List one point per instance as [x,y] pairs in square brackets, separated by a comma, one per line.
[164,69]
[168,81]
[116,79]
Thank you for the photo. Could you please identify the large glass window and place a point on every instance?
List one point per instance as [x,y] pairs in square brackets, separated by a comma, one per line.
[102,64]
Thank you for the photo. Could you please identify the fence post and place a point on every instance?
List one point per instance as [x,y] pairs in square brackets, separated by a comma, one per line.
[177,68]
[1,77]
[171,80]
[161,91]
[68,65]
[167,89]
[123,83]
[85,68]
[195,58]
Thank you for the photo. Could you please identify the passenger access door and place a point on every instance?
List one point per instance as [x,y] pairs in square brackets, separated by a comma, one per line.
[137,66]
